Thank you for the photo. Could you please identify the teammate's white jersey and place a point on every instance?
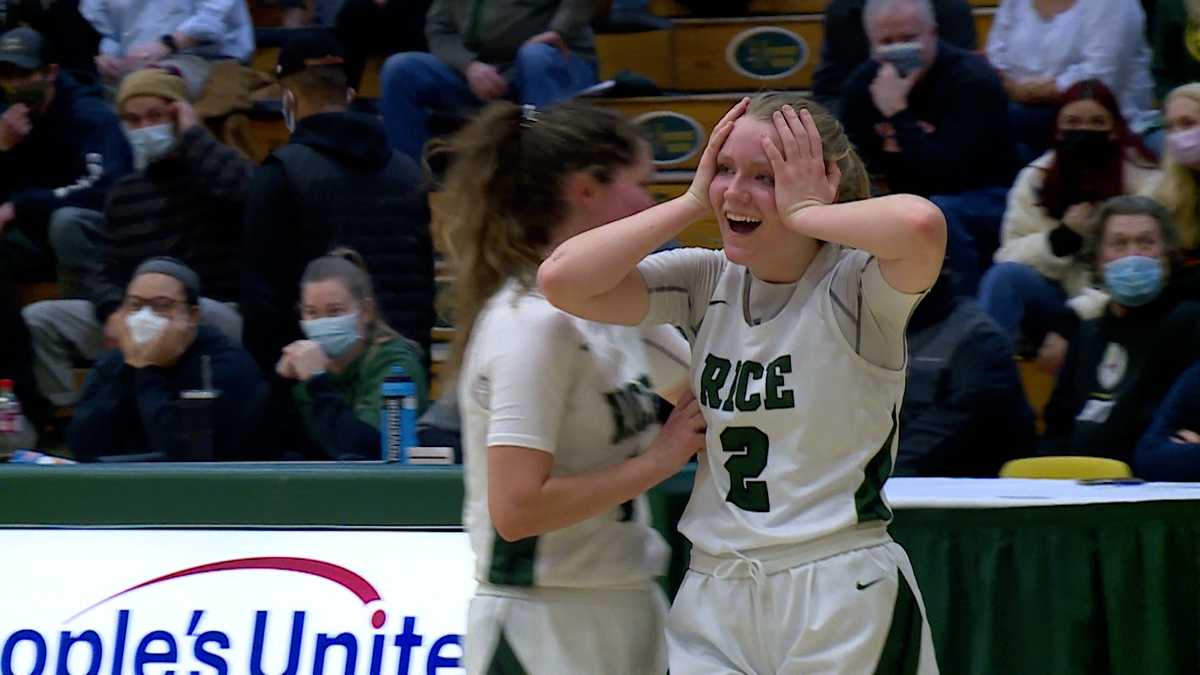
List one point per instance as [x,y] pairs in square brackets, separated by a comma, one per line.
[802,429]
[536,377]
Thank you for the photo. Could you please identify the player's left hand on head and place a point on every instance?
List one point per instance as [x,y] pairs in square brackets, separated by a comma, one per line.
[801,177]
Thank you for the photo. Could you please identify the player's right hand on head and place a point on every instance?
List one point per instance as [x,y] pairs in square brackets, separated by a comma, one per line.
[683,434]
[707,168]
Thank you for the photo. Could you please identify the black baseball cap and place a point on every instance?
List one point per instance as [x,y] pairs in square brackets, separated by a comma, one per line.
[22,47]
[309,50]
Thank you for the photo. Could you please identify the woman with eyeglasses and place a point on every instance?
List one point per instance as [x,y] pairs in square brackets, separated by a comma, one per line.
[131,403]
[349,351]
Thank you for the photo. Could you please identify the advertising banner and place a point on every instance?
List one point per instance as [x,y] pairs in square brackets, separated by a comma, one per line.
[255,602]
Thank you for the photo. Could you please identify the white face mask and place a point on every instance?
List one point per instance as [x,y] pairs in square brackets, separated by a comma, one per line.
[150,143]
[144,325]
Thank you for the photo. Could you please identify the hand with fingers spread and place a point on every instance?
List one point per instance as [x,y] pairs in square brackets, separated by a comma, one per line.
[801,177]
[707,168]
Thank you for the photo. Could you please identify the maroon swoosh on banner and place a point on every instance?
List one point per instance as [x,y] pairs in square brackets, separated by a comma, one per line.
[349,580]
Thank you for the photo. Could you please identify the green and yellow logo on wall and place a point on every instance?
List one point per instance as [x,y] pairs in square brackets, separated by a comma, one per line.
[767,53]
[673,137]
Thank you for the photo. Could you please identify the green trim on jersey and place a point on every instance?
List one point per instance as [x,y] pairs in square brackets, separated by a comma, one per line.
[868,498]
[512,561]
[505,661]
[902,650]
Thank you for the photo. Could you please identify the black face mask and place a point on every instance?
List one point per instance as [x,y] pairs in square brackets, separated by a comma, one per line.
[1086,144]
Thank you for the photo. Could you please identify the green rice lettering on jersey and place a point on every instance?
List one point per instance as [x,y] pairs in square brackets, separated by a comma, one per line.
[634,408]
[719,372]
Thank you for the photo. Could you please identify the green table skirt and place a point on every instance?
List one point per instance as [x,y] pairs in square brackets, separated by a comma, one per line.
[1111,588]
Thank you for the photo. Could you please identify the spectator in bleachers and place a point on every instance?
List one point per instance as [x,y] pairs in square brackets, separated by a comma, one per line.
[365,27]
[1170,448]
[964,412]
[59,21]
[182,34]
[1119,367]
[932,119]
[1042,47]
[348,351]
[845,45]
[184,200]
[536,52]
[131,402]
[336,183]
[61,145]
[1051,213]
[1176,52]
[1179,190]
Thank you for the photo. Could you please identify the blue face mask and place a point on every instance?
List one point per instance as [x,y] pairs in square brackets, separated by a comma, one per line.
[150,143]
[905,56]
[1134,280]
[336,334]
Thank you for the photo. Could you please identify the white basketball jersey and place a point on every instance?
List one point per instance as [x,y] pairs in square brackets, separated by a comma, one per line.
[802,430]
[539,378]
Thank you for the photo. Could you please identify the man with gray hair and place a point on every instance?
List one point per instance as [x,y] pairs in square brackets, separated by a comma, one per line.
[932,119]
[845,46]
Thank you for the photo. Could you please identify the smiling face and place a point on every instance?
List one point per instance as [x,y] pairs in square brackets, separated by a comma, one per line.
[742,195]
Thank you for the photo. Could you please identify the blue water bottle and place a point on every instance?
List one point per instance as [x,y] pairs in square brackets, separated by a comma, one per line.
[398,416]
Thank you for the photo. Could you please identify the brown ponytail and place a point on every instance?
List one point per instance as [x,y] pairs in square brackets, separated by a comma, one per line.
[503,193]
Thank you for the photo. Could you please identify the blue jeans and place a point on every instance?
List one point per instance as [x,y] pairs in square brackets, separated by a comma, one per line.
[413,83]
[973,222]
[1021,300]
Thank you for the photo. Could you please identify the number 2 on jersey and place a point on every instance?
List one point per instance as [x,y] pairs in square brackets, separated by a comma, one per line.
[751,447]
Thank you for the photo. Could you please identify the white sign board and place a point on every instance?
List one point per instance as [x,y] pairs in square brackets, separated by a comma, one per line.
[188,602]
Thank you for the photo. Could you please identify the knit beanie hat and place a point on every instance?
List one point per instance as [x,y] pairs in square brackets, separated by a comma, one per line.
[151,82]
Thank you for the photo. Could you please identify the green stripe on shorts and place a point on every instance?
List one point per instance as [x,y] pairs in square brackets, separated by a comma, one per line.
[504,660]
[902,650]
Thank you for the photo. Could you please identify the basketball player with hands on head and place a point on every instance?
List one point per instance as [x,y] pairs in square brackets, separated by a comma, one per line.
[798,364]
[560,426]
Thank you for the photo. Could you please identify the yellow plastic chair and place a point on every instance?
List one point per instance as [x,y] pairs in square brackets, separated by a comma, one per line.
[1076,468]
